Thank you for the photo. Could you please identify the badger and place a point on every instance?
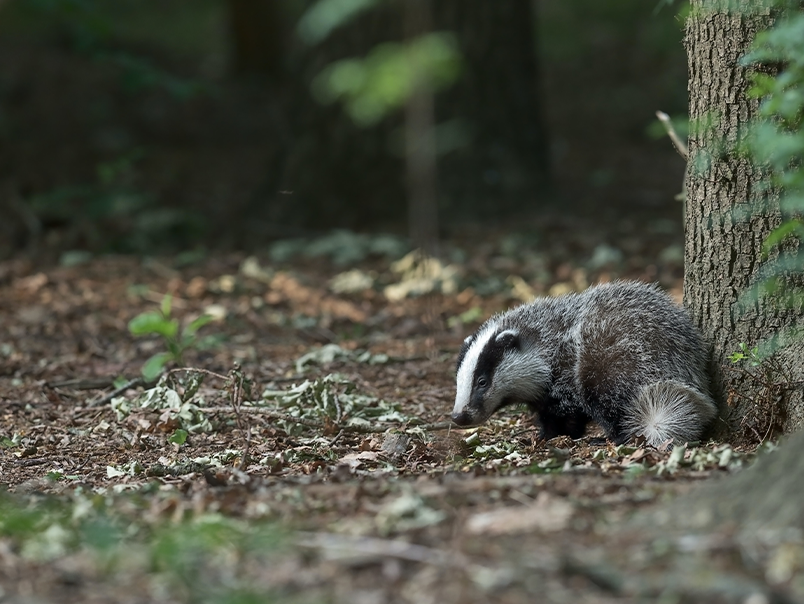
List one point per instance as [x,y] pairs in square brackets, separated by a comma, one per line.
[621,354]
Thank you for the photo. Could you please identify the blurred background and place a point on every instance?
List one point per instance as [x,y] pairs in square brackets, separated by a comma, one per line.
[158,126]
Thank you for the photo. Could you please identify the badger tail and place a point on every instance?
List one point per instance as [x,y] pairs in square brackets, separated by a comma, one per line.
[669,409]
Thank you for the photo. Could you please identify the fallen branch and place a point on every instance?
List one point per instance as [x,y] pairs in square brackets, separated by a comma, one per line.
[138,381]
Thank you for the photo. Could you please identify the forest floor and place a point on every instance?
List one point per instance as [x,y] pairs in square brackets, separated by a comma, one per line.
[315,462]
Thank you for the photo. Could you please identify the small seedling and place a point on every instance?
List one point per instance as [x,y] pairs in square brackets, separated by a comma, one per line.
[746,354]
[176,340]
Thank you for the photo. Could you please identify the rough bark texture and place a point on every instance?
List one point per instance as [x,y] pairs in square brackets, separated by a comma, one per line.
[723,248]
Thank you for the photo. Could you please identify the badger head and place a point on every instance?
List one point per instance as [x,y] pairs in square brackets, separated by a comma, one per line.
[496,368]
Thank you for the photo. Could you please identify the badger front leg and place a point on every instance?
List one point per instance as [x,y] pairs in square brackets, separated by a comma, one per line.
[554,421]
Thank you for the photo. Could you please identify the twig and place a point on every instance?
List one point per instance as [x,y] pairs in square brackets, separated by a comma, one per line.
[36,461]
[236,380]
[671,132]
[197,370]
[337,437]
[246,447]
[138,381]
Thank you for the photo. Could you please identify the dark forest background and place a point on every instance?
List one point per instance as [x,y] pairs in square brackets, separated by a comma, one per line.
[154,126]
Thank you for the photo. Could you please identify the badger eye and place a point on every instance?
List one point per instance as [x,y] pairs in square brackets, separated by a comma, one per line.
[482,382]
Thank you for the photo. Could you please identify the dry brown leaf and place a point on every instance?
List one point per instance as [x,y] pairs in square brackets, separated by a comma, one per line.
[288,287]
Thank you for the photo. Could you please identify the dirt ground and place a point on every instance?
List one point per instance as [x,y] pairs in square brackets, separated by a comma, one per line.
[396,507]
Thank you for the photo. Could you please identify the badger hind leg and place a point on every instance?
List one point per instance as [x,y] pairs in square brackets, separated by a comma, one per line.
[669,409]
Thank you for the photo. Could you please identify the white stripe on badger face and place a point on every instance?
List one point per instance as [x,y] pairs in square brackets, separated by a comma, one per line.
[466,371]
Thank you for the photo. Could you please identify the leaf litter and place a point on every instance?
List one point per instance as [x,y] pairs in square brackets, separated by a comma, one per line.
[334,431]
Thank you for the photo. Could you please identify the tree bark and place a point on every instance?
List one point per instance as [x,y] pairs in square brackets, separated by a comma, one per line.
[729,215]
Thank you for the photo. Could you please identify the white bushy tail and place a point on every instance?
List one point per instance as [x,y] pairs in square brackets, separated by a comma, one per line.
[669,409]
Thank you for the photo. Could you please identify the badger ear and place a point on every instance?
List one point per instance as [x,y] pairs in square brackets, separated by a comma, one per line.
[507,339]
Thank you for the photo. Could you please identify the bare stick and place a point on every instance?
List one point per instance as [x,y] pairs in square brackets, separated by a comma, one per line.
[116,392]
[197,370]
[671,132]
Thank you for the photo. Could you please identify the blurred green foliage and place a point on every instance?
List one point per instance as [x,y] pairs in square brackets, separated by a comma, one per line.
[373,86]
[189,28]
[320,19]
[113,214]
[204,558]
[777,147]
[620,54]
[108,30]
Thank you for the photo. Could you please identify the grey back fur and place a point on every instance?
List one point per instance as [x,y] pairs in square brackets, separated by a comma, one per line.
[622,354]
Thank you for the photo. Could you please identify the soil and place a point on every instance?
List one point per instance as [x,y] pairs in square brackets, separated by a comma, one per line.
[385,512]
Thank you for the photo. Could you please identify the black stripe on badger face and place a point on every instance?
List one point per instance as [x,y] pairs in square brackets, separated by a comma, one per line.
[489,359]
[475,381]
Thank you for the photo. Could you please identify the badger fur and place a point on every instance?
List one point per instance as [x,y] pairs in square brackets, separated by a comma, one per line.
[620,354]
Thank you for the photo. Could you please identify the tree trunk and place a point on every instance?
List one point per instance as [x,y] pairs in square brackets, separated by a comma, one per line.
[723,249]
[420,142]
[257,37]
[506,166]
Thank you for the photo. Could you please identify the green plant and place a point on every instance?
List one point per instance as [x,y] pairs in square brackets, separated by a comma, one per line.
[751,355]
[177,340]
[201,557]
[373,86]
[777,146]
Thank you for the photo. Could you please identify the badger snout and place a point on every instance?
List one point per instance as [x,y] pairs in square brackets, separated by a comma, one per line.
[462,418]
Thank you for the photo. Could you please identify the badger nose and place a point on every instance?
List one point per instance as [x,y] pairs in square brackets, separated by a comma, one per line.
[461,419]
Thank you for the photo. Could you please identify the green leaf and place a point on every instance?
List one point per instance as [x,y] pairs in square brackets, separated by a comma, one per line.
[736,357]
[778,234]
[154,366]
[179,437]
[197,324]
[152,322]
[166,302]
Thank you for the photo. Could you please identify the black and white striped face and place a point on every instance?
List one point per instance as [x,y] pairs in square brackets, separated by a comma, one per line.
[493,371]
